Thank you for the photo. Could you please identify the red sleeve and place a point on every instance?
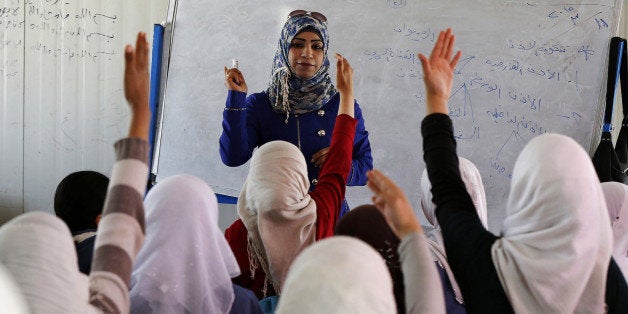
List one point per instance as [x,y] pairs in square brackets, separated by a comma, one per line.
[237,237]
[329,192]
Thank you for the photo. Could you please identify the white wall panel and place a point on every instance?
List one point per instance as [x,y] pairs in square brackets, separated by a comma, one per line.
[11,109]
[64,107]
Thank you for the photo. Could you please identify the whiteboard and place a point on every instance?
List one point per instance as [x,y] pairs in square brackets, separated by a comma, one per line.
[527,68]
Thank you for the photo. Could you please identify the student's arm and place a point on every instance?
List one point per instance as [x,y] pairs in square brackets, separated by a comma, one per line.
[121,229]
[616,289]
[423,291]
[330,189]
[467,243]
[344,83]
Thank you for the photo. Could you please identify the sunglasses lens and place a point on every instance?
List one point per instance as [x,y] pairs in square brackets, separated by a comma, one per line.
[297,13]
[316,15]
[319,16]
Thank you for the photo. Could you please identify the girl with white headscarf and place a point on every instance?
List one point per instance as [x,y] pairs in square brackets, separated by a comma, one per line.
[617,201]
[186,265]
[473,183]
[616,287]
[38,250]
[10,294]
[338,275]
[555,245]
[279,216]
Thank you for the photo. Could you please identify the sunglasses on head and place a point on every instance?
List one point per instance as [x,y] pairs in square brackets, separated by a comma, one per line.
[317,15]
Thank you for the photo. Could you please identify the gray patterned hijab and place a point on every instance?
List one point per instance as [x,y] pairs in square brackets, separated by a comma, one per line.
[287,92]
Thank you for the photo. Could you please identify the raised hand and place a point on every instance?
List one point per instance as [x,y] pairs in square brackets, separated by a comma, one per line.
[393,203]
[438,72]
[344,83]
[136,86]
[234,80]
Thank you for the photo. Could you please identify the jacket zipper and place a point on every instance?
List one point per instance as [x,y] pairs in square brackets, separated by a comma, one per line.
[298,131]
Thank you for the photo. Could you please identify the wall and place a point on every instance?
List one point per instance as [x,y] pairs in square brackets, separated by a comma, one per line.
[62,98]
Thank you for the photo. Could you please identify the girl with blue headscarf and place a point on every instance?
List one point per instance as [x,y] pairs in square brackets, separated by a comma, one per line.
[299,106]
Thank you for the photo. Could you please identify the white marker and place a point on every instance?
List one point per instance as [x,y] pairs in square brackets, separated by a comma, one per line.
[234,63]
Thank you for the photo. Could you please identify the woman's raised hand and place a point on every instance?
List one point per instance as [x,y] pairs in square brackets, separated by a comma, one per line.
[234,80]
[438,72]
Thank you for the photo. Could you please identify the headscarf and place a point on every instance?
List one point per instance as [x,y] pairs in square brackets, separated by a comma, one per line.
[338,275]
[368,224]
[10,294]
[276,208]
[186,264]
[287,92]
[617,201]
[38,251]
[556,240]
[473,182]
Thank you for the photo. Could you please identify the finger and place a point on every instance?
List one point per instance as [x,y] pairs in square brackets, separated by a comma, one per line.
[438,47]
[238,78]
[128,54]
[347,66]
[450,45]
[377,203]
[425,63]
[141,46]
[373,186]
[374,181]
[339,64]
[226,72]
[345,63]
[454,62]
